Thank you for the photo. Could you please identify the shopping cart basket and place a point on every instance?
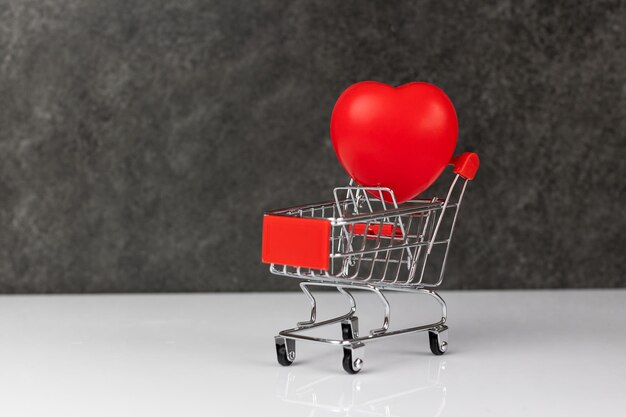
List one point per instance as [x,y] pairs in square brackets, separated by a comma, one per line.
[364,240]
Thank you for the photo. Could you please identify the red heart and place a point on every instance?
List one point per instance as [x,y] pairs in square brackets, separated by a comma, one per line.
[396,137]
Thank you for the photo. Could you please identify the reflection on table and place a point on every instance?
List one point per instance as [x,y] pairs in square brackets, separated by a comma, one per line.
[357,396]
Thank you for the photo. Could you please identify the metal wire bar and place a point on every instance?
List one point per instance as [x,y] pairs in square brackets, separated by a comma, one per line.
[373,334]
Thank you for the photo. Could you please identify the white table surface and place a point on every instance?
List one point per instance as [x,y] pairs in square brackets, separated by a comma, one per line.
[516,353]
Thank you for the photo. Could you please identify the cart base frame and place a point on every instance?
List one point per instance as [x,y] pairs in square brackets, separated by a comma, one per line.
[352,343]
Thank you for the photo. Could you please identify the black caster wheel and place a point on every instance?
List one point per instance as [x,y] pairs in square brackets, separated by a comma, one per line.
[285,351]
[352,359]
[438,340]
[351,365]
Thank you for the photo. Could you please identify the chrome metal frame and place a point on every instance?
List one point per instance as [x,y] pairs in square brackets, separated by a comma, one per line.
[383,331]
[363,257]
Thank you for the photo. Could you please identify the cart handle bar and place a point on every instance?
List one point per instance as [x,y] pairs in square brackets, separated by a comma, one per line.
[466,165]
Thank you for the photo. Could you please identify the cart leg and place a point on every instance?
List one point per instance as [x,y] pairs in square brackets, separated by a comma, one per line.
[382,298]
[438,338]
[307,292]
[353,358]
[309,323]
[442,303]
[285,350]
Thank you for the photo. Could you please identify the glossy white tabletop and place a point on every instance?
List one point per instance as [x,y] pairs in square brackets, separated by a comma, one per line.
[525,353]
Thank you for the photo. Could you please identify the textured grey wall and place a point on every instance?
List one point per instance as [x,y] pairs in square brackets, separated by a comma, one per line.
[142,140]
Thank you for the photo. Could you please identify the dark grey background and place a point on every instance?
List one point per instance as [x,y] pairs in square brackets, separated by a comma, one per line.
[141,141]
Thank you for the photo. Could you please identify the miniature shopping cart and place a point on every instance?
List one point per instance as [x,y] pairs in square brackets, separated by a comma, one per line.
[365,240]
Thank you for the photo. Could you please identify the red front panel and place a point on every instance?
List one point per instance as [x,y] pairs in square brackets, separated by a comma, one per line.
[296,241]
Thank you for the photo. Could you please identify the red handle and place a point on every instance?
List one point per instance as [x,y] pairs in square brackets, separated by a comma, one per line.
[466,165]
